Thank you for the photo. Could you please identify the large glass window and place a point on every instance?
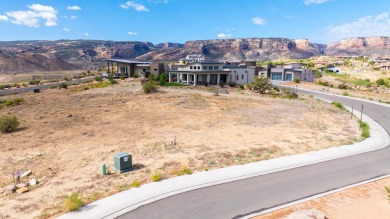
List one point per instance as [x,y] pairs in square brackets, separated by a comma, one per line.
[277,76]
[216,67]
[204,67]
[210,67]
[199,67]
[289,77]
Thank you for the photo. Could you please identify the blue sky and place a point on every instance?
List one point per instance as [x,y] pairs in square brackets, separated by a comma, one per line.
[156,21]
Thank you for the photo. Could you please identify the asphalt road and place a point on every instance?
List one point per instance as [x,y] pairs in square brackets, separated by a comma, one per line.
[41,87]
[244,197]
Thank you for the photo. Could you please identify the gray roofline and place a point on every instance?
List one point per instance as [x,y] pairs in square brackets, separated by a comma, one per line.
[126,61]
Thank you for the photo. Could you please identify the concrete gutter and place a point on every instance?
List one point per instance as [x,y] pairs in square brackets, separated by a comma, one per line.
[123,202]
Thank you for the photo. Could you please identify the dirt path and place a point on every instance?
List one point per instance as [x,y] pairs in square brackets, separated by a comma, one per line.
[65,136]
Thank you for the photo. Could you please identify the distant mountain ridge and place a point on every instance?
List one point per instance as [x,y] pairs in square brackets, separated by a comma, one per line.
[27,56]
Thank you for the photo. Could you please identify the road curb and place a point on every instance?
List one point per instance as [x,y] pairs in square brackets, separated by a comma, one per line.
[129,200]
[315,197]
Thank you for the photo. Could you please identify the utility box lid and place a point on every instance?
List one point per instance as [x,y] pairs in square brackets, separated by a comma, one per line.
[123,162]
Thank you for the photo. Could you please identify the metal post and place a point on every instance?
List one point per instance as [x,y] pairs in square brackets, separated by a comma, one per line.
[361,118]
[296,88]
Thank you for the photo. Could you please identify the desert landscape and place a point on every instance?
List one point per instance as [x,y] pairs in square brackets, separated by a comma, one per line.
[66,134]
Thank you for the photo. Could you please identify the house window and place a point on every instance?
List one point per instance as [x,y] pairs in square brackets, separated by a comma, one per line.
[216,67]
[242,77]
[199,67]
[237,77]
[155,69]
[210,67]
[204,67]
[190,67]
[231,77]
[289,77]
[276,77]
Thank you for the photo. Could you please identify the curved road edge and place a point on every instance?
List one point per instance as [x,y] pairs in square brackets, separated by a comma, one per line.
[129,200]
[315,196]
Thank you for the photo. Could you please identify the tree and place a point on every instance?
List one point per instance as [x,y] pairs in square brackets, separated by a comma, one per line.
[309,65]
[262,84]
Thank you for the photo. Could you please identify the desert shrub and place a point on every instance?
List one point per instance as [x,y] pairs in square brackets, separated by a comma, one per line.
[162,79]
[156,176]
[241,87]
[135,184]
[2,87]
[135,75]
[318,74]
[206,84]
[34,82]
[296,80]
[365,130]
[345,93]
[249,86]
[112,80]
[73,202]
[67,79]
[338,105]
[98,78]
[149,87]
[380,82]
[221,83]
[63,85]
[122,77]
[24,84]
[8,123]
[7,86]
[342,86]
[181,171]
[387,188]
[262,84]
[53,86]
[276,89]
[232,84]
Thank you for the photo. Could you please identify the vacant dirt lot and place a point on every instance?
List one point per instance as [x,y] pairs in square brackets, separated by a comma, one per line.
[365,201]
[65,135]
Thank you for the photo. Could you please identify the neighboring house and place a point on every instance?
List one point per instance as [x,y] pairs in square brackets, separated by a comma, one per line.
[157,68]
[126,68]
[211,73]
[330,69]
[193,58]
[288,72]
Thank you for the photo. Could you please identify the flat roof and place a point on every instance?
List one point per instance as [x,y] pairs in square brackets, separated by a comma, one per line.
[126,61]
[199,71]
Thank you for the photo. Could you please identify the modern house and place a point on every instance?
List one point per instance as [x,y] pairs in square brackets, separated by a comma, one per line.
[126,68]
[193,58]
[212,73]
[288,72]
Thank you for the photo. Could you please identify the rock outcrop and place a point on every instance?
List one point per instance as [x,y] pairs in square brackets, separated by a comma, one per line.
[366,46]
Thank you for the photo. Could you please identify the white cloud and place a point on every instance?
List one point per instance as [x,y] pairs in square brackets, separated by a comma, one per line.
[86,34]
[224,36]
[132,33]
[3,18]
[138,7]
[73,17]
[309,2]
[259,21]
[378,25]
[33,17]
[230,29]
[66,29]
[75,8]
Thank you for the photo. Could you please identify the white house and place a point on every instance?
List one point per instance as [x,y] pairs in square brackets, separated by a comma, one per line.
[290,71]
[212,73]
[127,68]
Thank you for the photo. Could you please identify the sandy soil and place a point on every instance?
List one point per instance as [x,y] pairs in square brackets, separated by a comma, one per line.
[365,201]
[380,94]
[52,75]
[65,136]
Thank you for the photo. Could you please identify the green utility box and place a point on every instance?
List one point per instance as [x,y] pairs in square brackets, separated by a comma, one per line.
[122,162]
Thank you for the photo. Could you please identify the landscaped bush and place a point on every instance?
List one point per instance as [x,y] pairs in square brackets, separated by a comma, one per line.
[34,82]
[342,86]
[112,80]
[249,86]
[162,79]
[296,80]
[206,84]
[149,87]
[345,93]
[221,83]
[98,78]
[380,82]
[135,75]
[73,202]
[338,105]
[63,85]
[135,184]
[122,77]
[8,123]
[232,84]
[365,130]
